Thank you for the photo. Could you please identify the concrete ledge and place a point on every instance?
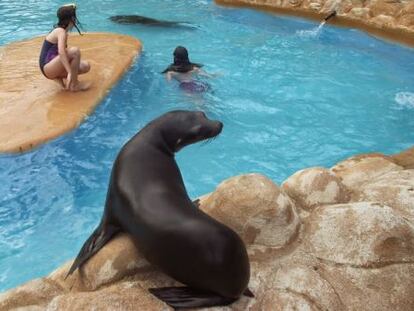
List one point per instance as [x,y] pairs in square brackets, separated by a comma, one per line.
[33,109]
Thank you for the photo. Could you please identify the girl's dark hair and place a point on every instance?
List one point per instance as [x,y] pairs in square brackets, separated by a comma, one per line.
[181,61]
[67,14]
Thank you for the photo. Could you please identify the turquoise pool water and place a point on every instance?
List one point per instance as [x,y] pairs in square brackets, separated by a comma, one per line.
[288,100]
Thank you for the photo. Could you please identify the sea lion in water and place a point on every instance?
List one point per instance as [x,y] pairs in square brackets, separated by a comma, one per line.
[138,19]
[147,199]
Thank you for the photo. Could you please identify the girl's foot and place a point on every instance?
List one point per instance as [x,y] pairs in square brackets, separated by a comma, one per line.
[80,86]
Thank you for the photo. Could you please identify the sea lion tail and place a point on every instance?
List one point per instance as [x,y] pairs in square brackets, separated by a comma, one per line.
[188,297]
[93,244]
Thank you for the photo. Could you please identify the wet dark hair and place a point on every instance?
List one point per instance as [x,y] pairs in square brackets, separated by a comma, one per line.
[181,61]
[67,14]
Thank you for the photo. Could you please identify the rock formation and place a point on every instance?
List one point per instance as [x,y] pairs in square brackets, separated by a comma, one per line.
[327,239]
[392,19]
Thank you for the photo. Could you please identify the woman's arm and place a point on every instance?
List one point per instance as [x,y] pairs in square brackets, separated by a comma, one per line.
[203,73]
[62,43]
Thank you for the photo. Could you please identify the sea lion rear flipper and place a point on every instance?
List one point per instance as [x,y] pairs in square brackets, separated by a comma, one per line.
[93,244]
[248,293]
[188,297]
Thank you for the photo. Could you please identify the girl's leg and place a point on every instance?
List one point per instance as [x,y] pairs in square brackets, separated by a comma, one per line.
[55,69]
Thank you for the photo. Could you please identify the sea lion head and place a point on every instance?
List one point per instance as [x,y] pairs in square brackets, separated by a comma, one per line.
[181,128]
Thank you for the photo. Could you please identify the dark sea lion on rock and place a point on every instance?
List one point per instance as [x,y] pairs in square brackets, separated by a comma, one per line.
[138,19]
[147,199]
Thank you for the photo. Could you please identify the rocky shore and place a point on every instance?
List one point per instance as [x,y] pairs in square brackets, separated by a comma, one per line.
[390,19]
[339,238]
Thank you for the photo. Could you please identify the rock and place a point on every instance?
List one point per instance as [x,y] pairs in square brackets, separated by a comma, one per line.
[118,259]
[383,289]
[360,169]
[306,282]
[295,3]
[360,13]
[257,209]
[273,300]
[125,296]
[360,235]
[315,6]
[383,20]
[408,21]
[315,186]
[35,293]
[384,7]
[395,189]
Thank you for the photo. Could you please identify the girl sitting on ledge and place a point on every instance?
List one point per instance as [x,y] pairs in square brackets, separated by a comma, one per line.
[57,62]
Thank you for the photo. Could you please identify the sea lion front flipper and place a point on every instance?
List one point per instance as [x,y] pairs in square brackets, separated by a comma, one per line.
[188,297]
[93,244]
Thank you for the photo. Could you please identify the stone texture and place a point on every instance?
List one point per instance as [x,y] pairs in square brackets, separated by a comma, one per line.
[109,265]
[362,234]
[315,186]
[125,296]
[360,169]
[34,293]
[395,189]
[406,157]
[34,109]
[257,209]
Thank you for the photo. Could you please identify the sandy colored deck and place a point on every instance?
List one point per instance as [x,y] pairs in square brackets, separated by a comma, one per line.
[34,109]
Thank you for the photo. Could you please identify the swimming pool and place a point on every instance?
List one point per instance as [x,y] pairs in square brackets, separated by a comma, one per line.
[288,100]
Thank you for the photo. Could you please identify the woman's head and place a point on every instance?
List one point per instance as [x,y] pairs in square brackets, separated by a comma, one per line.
[67,17]
[181,61]
[181,56]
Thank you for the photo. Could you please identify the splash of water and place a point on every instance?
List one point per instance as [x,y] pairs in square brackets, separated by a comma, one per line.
[405,99]
[312,33]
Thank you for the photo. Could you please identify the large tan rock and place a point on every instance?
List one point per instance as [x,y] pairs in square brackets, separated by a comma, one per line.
[256,208]
[385,7]
[302,281]
[315,186]
[372,289]
[362,234]
[37,293]
[125,296]
[34,109]
[406,157]
[357,170]
[383,20]
[118,259]
[395,189]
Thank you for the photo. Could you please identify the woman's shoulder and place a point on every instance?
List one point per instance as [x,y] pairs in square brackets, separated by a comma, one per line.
[55,34]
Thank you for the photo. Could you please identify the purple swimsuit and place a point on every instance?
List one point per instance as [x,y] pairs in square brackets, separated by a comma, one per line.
[49,52]
[194,86]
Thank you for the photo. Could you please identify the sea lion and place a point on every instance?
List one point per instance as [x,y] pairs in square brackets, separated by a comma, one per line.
[147,199]
[138,19]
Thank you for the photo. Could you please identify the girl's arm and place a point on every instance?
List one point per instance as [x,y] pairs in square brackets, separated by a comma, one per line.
[62,42]
[168,75]
[203,73]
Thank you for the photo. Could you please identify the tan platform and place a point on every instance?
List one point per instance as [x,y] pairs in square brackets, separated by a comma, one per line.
[34,109]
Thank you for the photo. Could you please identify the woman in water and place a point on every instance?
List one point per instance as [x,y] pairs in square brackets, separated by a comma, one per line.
[57,61]
[184,71]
